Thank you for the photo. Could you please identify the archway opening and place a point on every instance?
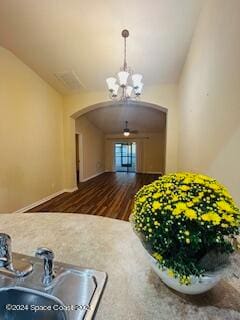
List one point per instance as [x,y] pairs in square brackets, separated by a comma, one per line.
[100,128]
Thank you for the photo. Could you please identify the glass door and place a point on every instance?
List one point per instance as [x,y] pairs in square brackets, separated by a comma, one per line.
[125,157]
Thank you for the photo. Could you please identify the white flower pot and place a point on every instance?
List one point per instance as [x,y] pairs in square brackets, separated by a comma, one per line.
[198,284]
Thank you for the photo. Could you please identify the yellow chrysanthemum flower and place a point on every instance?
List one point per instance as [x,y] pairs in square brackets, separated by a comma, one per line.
[187,180]
[198,180]
[167,185]
[170,273]
[214,186]
[223,205]
[211,217]
[184,188]
[226,194]
[180,207]
[156,205]
[196,200]
[191,214]
[185,280]
[157,256]
[204,177]
[157,195]
[175,198]
[228,218]
[190,204]
[142,199]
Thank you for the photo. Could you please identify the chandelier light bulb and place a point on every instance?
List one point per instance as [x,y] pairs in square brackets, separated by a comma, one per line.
[136,79]
[129,91]
[111,83]
[123,77]
[138,91]
[115,90]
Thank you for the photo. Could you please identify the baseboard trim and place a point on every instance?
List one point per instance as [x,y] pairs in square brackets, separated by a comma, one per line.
[41,201]
[93,176]
[70,190]
[152,172]
[144,172]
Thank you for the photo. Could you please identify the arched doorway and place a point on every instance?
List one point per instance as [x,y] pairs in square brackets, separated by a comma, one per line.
[107,105]
[111,103]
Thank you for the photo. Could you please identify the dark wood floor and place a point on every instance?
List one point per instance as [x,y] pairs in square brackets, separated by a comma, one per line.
[110,195]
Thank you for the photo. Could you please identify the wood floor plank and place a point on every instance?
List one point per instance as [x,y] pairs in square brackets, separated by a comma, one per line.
[110,195]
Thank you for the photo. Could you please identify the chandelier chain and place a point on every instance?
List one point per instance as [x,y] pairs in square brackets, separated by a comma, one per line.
[125,55]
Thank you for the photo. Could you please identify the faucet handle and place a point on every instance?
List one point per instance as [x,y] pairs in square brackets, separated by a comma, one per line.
[48,266]
[5,250]
[45,253]
[6,261]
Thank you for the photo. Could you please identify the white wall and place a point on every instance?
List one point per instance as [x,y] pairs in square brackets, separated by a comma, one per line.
[92,148]
[31,136]
[209,97]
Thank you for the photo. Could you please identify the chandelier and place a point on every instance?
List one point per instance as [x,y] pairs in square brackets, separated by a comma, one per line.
[126,85]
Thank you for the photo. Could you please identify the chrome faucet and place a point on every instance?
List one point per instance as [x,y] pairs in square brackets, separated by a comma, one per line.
[48,265]
[21,269]
[5,251]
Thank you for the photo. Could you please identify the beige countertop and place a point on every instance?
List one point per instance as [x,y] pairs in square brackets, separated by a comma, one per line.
[133,290]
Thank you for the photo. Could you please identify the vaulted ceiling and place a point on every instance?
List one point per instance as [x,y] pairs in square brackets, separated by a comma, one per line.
[111,120]
[54,36]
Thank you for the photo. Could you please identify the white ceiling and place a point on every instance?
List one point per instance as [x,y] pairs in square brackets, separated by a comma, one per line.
[112,119]
[85,36]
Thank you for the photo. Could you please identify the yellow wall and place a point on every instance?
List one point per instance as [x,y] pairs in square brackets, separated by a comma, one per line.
[210,97]
[31,136]
[150,151]
[163,96]
[153,151]
[92,148]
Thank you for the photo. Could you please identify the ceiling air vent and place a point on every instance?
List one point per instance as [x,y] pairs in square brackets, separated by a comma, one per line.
[70,80]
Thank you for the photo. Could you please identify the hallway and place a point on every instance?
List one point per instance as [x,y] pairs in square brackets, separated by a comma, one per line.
[109,195]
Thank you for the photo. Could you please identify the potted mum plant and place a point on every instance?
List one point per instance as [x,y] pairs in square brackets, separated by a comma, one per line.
[187,223]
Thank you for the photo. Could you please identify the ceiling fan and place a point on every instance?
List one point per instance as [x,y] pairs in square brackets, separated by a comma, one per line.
[127,131]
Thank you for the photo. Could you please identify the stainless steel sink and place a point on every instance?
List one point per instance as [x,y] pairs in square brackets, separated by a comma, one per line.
[23,304]
[74,293]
